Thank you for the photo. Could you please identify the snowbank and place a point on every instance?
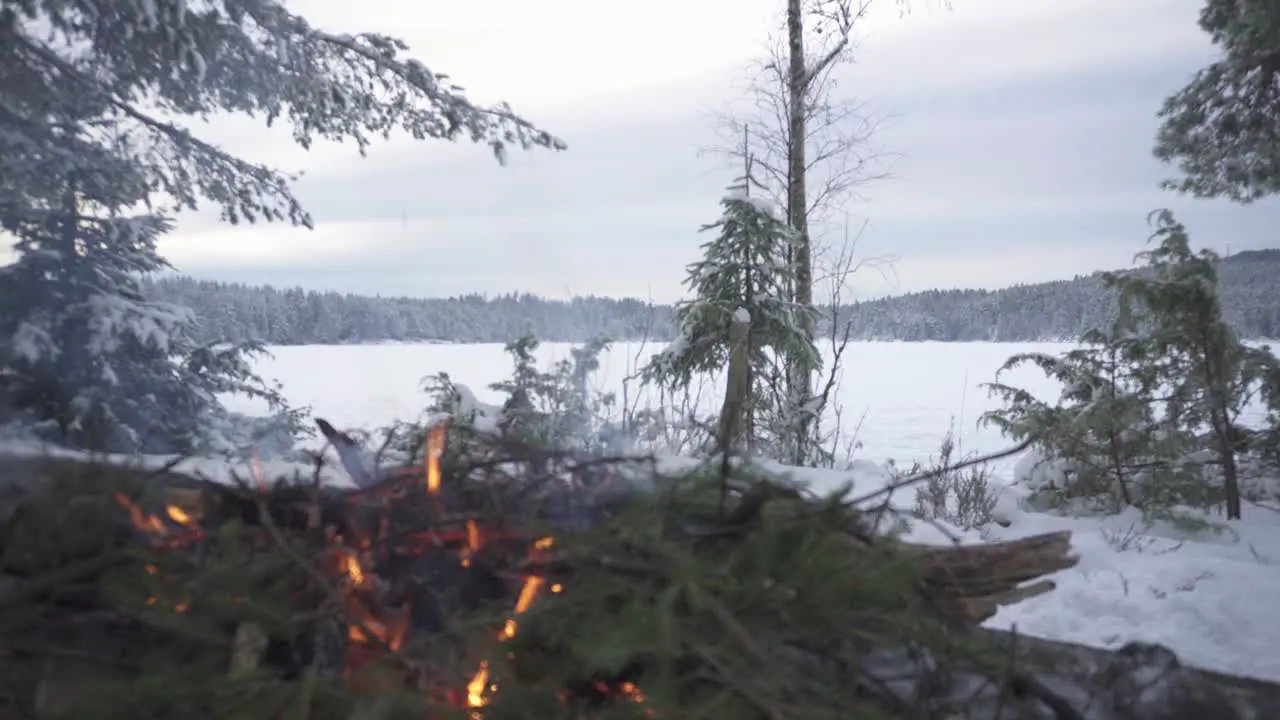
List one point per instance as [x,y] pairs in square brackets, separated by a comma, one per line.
[213,469]
[1208,596]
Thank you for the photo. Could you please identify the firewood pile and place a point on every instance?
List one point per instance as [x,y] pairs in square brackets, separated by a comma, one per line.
[492,581]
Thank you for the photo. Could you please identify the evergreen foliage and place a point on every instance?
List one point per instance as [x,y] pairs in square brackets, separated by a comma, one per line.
[92,177]
[709,610]
[1150,412]
[1222,130]
[743,278]
[1103,426]
[542,408]
[1210,376]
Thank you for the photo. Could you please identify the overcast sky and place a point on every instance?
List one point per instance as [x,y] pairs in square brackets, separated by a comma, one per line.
[1022,132]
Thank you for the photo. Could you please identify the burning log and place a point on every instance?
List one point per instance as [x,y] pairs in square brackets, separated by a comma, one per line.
[472,586]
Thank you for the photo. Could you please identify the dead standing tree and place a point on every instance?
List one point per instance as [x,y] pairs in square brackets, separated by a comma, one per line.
[838,157]
[813,150]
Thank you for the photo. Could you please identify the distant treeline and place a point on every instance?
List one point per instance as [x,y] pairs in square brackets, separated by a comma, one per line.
[1249,284]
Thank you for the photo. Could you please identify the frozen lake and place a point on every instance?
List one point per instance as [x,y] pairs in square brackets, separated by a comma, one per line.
[899,398]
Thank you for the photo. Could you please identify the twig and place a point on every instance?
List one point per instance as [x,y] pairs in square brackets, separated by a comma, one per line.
[936,472]
[726,677]
[308,690]
[69,653]
[1029,686]
[167,467]
[318,577]
[735,629]
[64,575]
[382,449]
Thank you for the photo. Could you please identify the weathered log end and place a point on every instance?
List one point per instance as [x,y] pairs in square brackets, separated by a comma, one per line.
[972,582]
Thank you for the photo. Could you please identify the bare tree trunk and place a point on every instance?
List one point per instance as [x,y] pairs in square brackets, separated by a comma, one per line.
[1215,382]
[734,428]
[1230,471]
[800,374]
[803,126]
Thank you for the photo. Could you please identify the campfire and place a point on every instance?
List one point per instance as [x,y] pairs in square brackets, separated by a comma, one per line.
[488,580]
[362,552]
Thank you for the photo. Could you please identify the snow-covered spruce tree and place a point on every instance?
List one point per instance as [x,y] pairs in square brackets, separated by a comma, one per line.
[554,408]
[91,362]
[90,174]
[743,278]
[1102,432]
[1209,375]
[1222,130]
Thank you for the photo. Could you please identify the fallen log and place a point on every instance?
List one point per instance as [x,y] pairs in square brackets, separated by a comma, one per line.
[972,582]
[1142,681]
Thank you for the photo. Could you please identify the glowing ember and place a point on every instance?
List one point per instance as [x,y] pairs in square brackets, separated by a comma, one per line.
[178,515]
[473,543]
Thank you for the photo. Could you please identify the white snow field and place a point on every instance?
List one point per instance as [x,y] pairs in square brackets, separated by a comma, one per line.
[1212,598]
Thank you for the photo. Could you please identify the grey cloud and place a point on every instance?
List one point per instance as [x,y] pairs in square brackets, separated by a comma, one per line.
[1019,178]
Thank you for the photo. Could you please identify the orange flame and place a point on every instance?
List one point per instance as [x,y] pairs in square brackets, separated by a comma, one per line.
[353,569]
[477,687]
[436,438]
[473,543]
[144,521]
[153,525]
[528,594]
[389,631]
[255,469]
[178,515]
[162,536]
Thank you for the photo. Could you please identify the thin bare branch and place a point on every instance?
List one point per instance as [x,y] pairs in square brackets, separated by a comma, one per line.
[841,157]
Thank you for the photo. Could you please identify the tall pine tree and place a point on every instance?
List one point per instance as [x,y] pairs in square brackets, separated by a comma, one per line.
[1210,376]
[1222,130]
[90,176]
[741,310]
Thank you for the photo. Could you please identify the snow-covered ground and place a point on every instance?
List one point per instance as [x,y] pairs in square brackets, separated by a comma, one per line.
[211,468]
[1211,598]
